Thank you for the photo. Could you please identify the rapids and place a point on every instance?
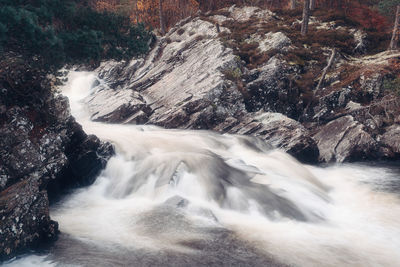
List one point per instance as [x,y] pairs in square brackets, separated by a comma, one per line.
[196,198]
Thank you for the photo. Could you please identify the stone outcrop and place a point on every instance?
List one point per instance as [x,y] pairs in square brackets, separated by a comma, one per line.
[344,139]
[194,78]
[43,152]
[391,139]
[289,134]
[270,90]
[25,220]
[188,81]
[180,83]
[274,41]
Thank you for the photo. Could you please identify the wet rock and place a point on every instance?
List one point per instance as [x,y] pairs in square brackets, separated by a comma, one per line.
[360,41]
[43,151]
[121,105]
[177,201]
[40,158]
[391,139]
[184,83]
[372,85]
[289,135]
[271,90]
[181,84]
[332,101]
[192,80]
[247,12]
[345,139]
[25,221]
[275,41]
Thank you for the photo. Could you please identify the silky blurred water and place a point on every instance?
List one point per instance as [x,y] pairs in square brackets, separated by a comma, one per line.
[197,198]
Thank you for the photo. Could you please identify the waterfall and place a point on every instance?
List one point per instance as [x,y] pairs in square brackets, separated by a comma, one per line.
[188,198]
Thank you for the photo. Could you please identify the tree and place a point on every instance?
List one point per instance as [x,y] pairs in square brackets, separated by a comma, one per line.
[51,33]
[396,31]
[171,11]
[388,8]
[292,4]
[162,20]
[306,17]
[312,4]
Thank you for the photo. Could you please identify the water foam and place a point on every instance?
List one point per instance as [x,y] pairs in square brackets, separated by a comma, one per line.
[166,189]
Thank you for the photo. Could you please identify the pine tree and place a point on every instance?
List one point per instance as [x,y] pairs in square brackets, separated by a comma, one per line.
[396,31]
[312,4]
[292,4]
[162,19]
[306,17]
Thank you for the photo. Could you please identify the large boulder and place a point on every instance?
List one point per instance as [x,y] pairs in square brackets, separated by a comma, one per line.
[180,84]
[327,104]
[391,139]
[345,139]
[25,220]
[190,80]
[274,41]
[280,132]
[43,152]
[290,135]
[271,89]
[122,106]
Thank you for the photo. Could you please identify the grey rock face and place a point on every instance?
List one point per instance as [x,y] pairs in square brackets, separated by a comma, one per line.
[121,106]
[192,80]
[283,132]
[181,81]
[391,139]
[335,100]
[275,40]
[344,139]
[43,152]
[183,84]
[372,85]
[271,90]
[360,40]
[25,220]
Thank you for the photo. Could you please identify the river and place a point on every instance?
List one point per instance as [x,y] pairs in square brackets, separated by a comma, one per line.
[198,198]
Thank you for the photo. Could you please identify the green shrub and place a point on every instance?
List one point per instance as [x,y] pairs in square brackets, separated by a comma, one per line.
[392,85]
[232,74]
[388,7]
[55,32]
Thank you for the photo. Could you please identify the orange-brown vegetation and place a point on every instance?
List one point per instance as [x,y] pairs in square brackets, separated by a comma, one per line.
[344,12]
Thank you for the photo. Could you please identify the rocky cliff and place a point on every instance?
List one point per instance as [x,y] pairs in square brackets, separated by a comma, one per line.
[238,70]
[249,71]
[43,152]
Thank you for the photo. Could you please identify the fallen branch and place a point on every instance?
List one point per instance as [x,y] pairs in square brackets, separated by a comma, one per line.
[383,101]
[330,62]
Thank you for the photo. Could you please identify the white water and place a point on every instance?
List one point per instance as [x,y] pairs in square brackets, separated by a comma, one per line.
[166,189]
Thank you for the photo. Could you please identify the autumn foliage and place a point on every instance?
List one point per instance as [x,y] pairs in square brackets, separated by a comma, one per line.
[106,5]
[147,11]
[362,12]
[173,10]
[357,11]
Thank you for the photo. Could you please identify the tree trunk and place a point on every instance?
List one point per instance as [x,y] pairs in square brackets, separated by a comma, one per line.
[136,12]
[331,59]
[292,4]
[306,17]
[325,71]
[162,21]
[312,4]
[396,31]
